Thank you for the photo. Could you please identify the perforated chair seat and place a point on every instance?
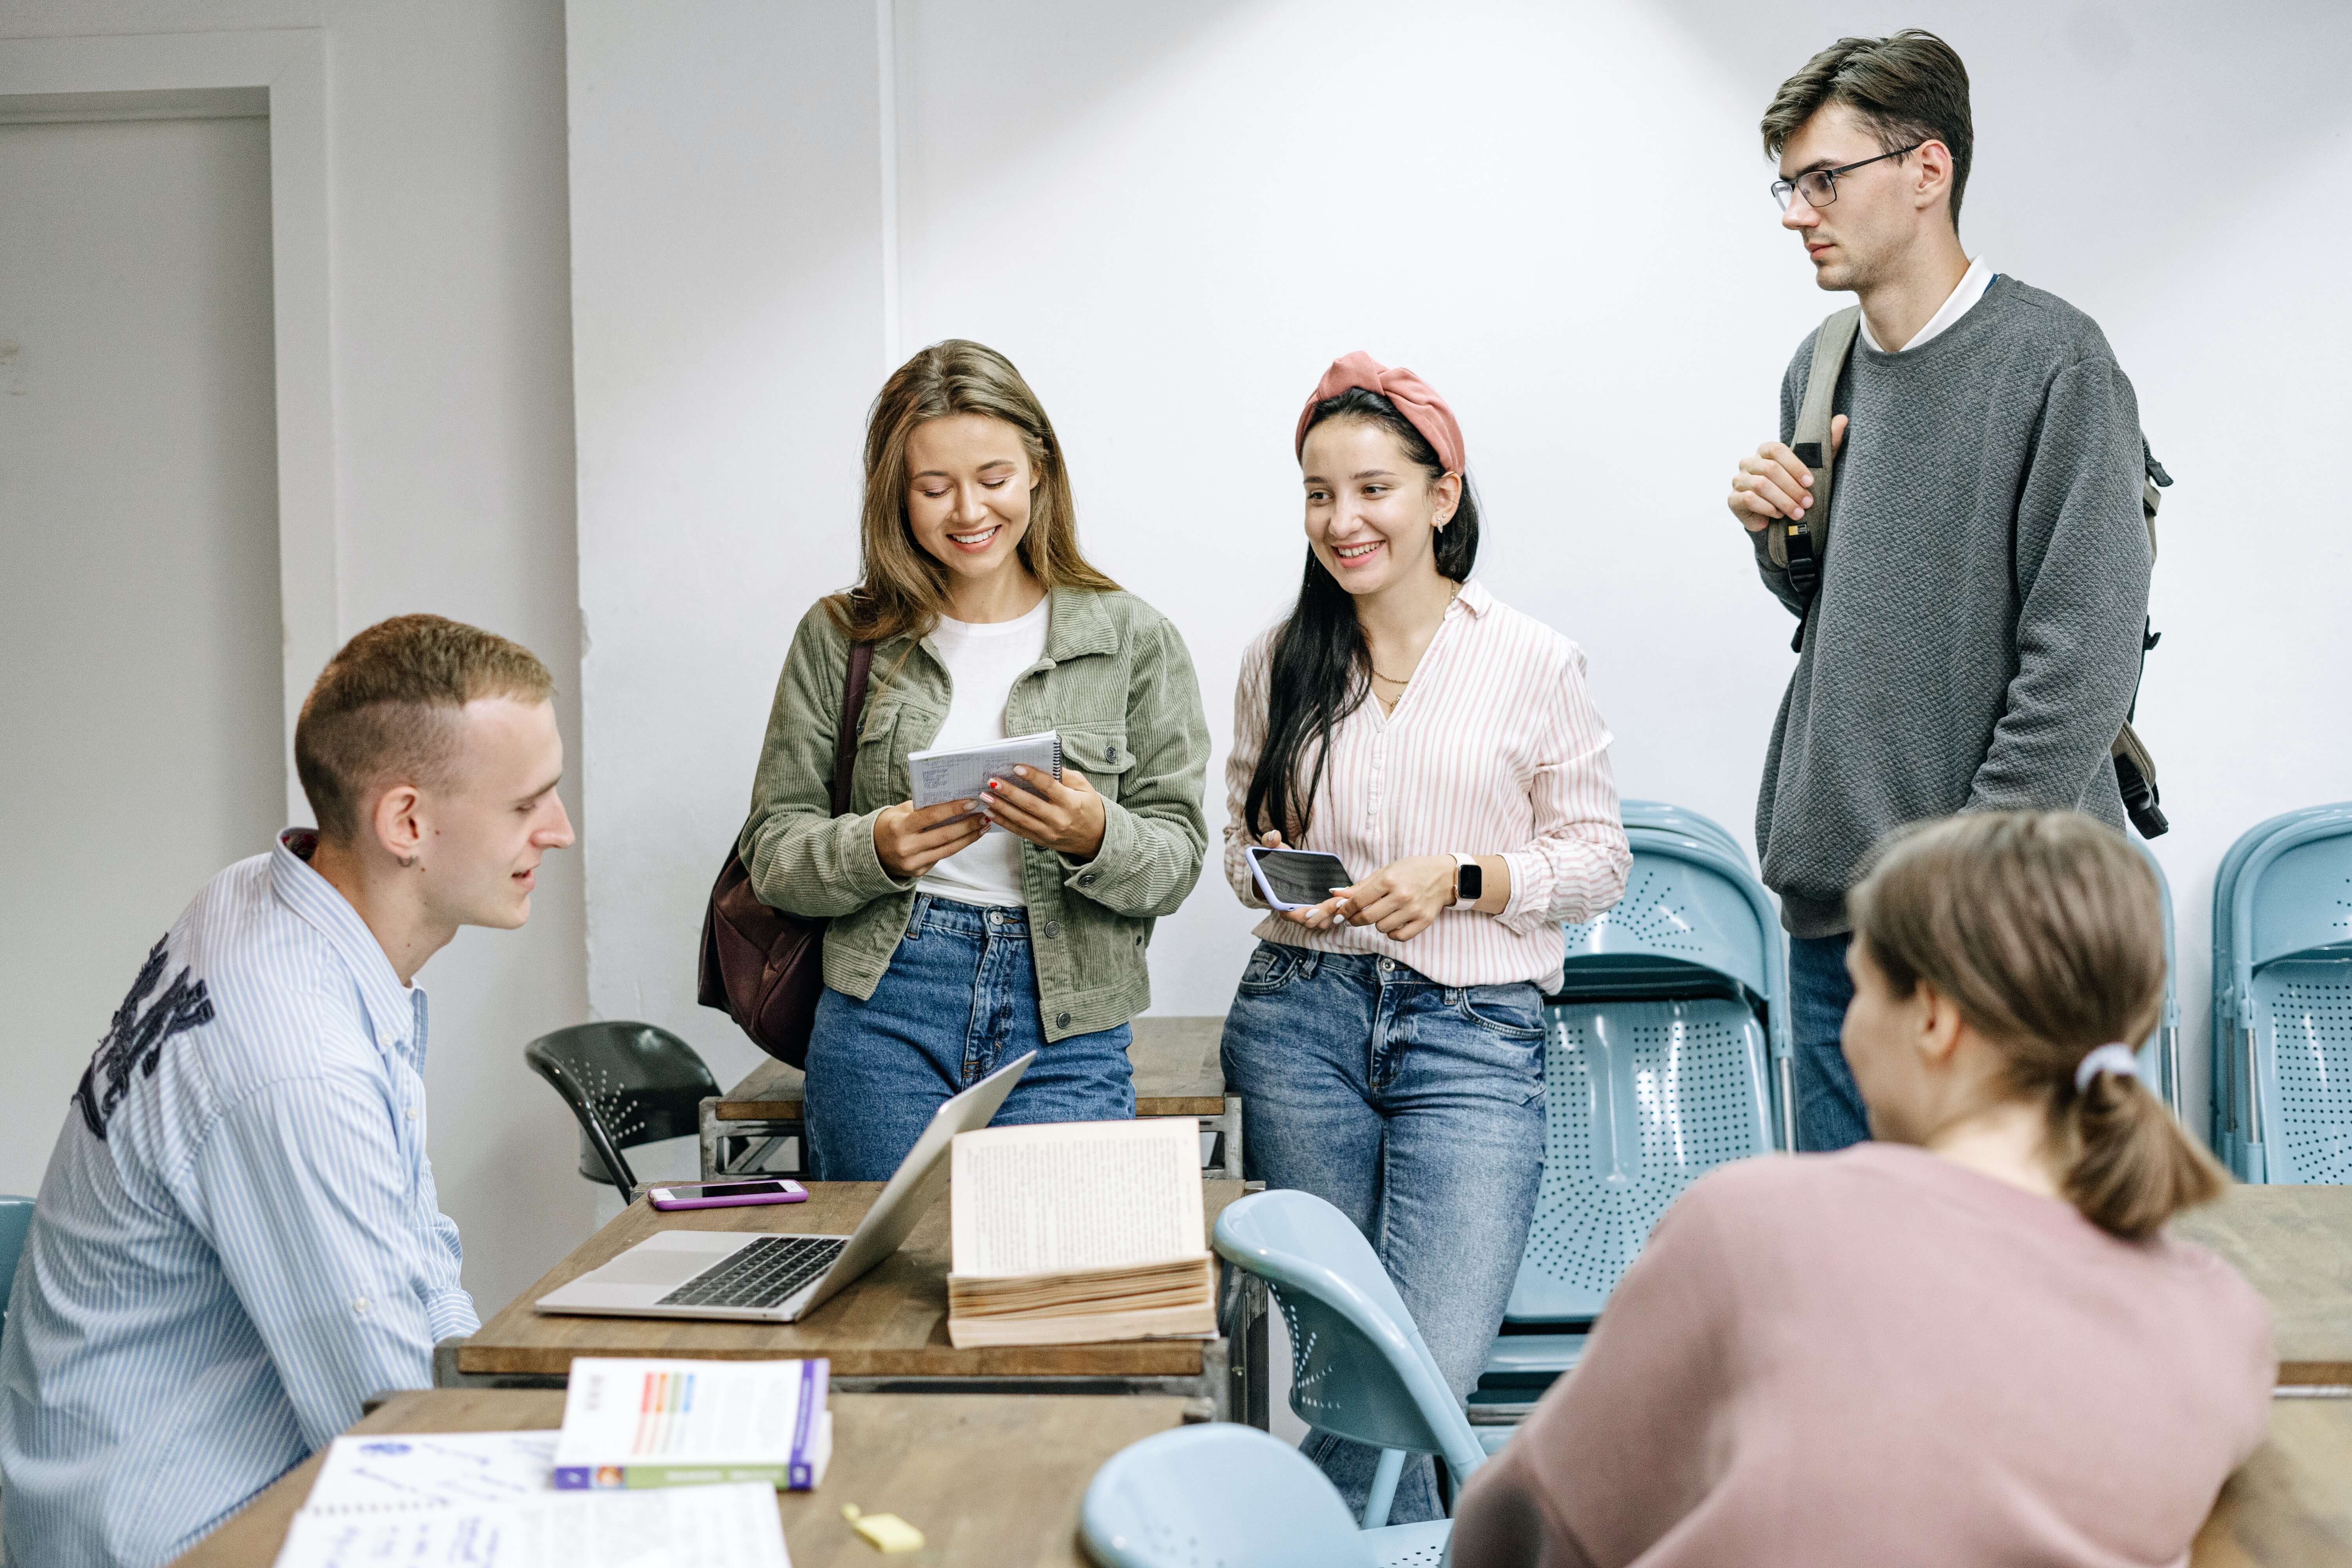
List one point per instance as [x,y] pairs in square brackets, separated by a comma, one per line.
[1640,1099]
[2302,1008]
[2281,933]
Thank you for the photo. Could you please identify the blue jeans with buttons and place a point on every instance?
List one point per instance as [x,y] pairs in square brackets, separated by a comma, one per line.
[1416,1109]
[959,1000]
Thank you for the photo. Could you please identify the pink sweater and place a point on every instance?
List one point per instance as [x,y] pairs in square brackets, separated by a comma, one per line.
[1880,1357]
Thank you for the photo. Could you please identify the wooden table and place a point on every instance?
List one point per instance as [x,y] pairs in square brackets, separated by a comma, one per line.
[887,1332]
[988,1479]
[2292,1502]
[2293,1244]
[1176,1074]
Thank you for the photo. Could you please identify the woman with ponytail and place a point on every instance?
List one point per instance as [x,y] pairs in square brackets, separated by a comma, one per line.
[1970,1341]
[1389,1040]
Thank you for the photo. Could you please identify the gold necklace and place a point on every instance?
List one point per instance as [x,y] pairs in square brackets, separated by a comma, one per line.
[1392,679]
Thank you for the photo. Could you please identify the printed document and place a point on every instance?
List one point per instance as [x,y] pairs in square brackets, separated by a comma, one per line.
[702,1526]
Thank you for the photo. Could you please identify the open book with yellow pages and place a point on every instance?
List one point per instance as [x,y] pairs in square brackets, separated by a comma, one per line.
[1077,1232]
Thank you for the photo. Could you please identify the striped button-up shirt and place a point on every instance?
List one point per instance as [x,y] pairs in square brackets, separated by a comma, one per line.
[1494,749]
[238,1239]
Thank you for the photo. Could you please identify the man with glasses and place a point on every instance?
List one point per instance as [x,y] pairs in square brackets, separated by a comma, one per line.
[1971,640]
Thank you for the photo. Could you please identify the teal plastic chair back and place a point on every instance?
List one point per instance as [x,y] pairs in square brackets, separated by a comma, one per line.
[2283,1000]
[16,1223]
[1359,1366]
[1221,1496]
[2160,1057]
[1665,817]
[1656,1065]
[1666,1055]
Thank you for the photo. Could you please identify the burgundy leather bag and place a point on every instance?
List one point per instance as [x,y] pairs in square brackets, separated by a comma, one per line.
[761,967]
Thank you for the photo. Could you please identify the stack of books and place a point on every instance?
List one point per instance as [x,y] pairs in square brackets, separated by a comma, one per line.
[1073,1233]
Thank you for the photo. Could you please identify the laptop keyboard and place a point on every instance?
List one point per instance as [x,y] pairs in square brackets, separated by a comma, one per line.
[764,1274]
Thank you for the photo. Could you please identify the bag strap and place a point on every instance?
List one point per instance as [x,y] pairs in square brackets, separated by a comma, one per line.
[853,708]
[1799,547]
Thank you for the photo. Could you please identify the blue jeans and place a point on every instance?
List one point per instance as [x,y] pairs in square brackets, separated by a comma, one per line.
[1828,1107]
[959,1000]
[1416,1109]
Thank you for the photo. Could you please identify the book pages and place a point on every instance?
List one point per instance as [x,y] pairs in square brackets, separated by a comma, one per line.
[1077,1195]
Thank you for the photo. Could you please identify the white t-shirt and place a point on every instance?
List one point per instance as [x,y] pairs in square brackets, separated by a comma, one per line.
[983,661]
[1957,303]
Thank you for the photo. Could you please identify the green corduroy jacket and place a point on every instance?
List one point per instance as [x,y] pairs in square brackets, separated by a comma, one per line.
[1118,685]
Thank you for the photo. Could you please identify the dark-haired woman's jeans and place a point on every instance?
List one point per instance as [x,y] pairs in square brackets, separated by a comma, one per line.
[1416,1109]
[1829,1106]
[959,1001]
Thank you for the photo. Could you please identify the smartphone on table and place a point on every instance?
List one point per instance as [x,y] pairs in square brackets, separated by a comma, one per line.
[1296,879]
[726,1195]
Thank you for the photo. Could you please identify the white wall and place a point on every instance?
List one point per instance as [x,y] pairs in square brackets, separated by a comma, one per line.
[453,484]
[139,603]
[1171,217]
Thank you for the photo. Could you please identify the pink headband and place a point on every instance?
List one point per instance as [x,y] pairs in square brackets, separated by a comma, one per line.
[1414,398]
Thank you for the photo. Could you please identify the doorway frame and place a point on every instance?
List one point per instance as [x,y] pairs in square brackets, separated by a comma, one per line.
[280,73]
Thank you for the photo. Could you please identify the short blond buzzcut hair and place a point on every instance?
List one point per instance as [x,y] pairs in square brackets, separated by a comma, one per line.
[385,707]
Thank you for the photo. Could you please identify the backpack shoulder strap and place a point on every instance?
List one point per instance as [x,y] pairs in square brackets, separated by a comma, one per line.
[853,708]
[1806,541]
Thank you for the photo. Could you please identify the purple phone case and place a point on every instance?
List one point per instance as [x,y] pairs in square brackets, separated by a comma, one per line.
[739,1201]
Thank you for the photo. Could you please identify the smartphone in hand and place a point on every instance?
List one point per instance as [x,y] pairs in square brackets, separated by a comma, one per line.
[1296,879]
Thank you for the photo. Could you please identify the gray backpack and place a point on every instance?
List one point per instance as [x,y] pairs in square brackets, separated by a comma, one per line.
[1800,548]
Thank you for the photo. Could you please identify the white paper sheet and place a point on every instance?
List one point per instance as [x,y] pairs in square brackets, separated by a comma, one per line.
[434,1470]
[689,1527]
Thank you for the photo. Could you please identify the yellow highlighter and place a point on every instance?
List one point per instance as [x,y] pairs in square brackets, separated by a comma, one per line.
[884,1532]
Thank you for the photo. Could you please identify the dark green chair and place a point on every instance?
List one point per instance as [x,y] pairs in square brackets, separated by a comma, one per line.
[626,1084]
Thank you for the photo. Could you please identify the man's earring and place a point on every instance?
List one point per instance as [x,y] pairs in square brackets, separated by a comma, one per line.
[406,861]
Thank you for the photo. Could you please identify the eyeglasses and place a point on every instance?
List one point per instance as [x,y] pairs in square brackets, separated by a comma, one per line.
[1818,186]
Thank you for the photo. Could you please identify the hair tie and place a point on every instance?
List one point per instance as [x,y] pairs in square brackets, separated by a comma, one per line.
[1414,398]
[2118,1059]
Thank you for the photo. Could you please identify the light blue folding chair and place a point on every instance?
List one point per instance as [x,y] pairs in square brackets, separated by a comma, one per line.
[2160,1057]
[15,1223]
[1359,1366]
[1668,817]
[1666,1054]
[1222,1496]
[2282,1000]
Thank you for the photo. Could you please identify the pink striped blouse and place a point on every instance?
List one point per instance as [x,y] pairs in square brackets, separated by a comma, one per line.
[1494,749]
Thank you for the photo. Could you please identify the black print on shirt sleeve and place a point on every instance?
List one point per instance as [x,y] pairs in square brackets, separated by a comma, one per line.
[134,1037]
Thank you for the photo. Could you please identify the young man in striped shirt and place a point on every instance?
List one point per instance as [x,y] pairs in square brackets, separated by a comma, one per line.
[238,1239]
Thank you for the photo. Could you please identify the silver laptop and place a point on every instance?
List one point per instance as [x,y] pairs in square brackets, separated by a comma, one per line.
[781,1278]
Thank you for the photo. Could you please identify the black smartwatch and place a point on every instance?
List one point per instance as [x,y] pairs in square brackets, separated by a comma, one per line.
[1469,879]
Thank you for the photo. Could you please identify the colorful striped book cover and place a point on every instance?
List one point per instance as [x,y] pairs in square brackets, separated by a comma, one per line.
[631,1422]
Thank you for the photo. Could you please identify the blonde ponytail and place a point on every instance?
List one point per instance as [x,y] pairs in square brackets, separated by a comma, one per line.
[2046,931]
[2133,1167]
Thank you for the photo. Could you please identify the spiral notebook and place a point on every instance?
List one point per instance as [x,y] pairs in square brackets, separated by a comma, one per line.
[962,773]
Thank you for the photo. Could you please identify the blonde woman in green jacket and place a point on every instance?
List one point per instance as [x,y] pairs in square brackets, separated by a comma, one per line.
[951,949]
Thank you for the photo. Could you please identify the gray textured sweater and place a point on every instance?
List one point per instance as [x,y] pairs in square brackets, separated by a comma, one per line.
[1976,640]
